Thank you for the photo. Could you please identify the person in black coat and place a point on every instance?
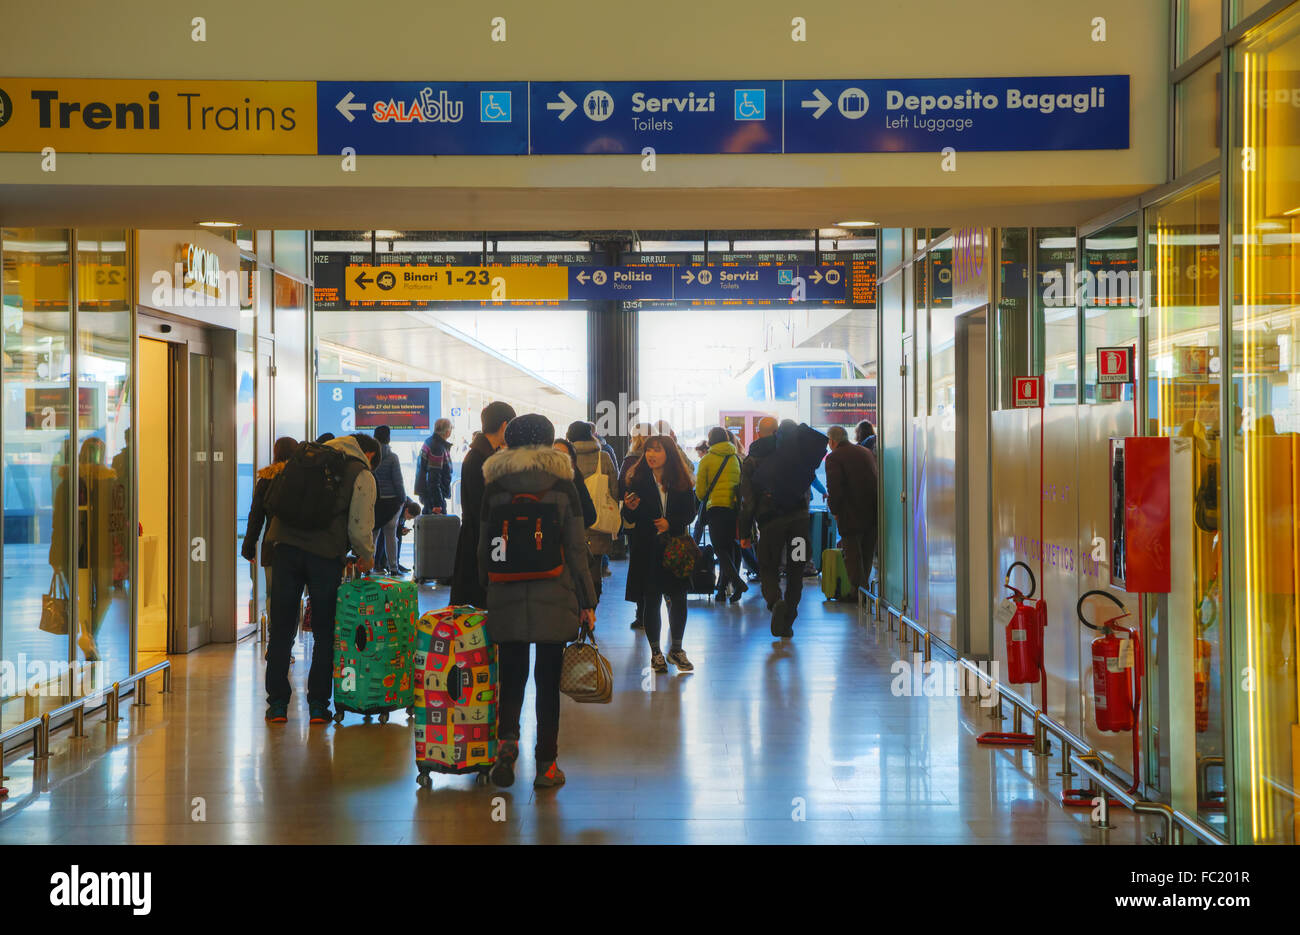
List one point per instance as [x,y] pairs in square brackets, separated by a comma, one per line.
[257,518]
[659,503]
[851,482]
[465,587]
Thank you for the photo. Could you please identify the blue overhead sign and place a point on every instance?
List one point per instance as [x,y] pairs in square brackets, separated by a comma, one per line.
[578,117]
[749,283]
[876,115]
[620,283]
[923,115]
[422,118]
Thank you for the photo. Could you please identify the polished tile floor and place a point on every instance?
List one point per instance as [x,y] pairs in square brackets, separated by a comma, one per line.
[798,742]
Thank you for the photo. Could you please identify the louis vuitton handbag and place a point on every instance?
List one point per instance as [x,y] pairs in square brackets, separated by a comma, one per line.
[586,675]
[54,607]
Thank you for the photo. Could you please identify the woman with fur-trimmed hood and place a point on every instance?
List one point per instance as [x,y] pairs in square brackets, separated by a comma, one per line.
[547,612]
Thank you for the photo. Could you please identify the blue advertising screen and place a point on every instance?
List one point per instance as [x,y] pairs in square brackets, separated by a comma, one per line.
[409,409]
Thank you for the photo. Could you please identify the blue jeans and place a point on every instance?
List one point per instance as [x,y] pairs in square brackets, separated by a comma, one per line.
[292,570]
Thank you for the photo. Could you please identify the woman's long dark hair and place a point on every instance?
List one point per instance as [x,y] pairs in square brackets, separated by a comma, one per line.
[675,474]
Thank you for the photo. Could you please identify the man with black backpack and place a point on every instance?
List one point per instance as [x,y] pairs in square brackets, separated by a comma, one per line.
[322,502]
[774,484]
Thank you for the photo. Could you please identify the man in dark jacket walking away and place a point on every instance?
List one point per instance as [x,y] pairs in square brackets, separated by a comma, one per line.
[390,497]
[774,484]
[433,469]
[465,587]
[851,480]
[311,554]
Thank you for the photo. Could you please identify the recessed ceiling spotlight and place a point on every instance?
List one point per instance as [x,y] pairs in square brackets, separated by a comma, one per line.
[855,223]
[218,223]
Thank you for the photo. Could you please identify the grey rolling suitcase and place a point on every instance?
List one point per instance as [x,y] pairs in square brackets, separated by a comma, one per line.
[435,547]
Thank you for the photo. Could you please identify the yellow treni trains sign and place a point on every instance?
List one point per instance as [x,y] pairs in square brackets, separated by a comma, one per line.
[143,116]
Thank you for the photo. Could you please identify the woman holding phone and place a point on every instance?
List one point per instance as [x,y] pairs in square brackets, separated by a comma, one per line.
[659,503]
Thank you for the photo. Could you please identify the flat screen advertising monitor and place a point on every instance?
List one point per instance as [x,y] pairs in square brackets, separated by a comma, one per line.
[837,402]
[409,409]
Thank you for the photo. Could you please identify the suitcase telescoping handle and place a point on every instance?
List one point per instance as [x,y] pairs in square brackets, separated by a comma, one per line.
[350,572]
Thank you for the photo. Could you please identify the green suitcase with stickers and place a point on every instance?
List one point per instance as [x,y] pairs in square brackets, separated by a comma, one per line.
[374,646]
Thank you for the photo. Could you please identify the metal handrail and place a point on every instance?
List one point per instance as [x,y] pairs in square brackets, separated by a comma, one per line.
[1076,751]
[40,727]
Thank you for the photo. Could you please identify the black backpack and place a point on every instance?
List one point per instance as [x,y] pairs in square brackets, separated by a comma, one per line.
[785,476]
[307,494]
[524,540]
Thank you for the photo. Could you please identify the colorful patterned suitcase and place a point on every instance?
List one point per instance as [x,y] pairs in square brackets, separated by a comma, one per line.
[374,646]
[455,693]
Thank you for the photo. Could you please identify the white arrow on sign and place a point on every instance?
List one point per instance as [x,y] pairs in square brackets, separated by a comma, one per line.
[346,107]
[581,277]
[565,105]
[688,276]
[820,101]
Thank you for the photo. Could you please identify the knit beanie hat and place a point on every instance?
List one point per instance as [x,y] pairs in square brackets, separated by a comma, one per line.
[532,428]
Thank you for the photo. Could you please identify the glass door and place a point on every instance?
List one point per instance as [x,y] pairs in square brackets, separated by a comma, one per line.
[199,591]
[153,593]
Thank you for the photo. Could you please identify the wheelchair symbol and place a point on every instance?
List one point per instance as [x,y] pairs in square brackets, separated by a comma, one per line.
[751,103]
[494,106]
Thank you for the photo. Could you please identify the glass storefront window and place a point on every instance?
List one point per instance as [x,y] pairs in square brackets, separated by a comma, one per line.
[1265,446]
[1012,321]
[1199,23]
[1110,295]
[290,250]
[1244,8]
[1199,106]
[290,322]
[105,458]
[1184,375]
[38,460]
[1056,317]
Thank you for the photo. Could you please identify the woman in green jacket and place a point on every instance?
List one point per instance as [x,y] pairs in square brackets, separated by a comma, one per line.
[723,462]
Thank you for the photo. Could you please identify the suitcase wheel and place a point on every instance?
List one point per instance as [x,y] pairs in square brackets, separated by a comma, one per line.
[368,717]
[410,709]
[383,717]
[338,715]
[423,780]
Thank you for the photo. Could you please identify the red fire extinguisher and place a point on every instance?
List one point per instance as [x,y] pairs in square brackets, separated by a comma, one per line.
[1116,668]
[1117,695]
[1025,630]
[1024,651]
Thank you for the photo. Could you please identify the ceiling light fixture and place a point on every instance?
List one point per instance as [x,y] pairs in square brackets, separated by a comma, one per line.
[855,223]
[218,223]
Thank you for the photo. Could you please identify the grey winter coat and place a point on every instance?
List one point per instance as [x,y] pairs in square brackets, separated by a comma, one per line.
[544,610]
